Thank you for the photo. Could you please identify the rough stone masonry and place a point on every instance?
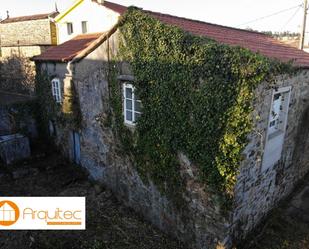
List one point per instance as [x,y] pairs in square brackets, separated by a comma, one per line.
[202,224]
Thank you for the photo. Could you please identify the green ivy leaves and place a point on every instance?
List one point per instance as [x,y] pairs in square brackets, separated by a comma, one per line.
[197,98]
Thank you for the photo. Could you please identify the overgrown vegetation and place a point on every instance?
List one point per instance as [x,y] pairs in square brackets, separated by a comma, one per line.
[197,99]
[67,114]
[17,74]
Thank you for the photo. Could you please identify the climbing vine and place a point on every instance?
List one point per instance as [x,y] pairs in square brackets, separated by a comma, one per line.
[197,99]
[66,114]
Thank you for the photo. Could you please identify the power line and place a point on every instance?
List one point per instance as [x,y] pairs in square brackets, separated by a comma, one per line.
[274,14]
[292,17]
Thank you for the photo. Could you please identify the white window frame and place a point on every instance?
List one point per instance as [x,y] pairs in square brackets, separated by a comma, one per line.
[56,90]
[275,139]
[133,99]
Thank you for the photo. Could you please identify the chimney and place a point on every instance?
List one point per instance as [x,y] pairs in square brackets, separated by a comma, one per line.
[7,14]
[56,7]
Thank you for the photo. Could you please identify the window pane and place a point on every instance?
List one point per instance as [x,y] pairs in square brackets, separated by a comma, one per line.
[137,106]
[136,116]
[128,115]
[129,104]
[70,28]
[129,93]
[56,90]
[84,27]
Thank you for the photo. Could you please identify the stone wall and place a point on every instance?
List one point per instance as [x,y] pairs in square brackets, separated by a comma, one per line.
[17,117]
[257,191]
[199,222]
[19,41]
[33,32]
[24,51]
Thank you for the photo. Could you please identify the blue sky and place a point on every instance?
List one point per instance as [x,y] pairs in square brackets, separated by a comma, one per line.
[225,12]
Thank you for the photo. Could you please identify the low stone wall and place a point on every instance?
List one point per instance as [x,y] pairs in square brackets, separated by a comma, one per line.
[257,191]
[17,119]
[14,148]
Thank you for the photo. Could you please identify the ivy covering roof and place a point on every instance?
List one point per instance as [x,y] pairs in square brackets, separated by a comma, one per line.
[254,41]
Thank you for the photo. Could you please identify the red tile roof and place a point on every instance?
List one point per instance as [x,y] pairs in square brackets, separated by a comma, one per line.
[113,6]
[255,41]
[68,50]
[29,18]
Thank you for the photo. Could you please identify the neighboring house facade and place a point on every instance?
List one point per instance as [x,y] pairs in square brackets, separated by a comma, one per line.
[272,162]
[85,16]
[27,35]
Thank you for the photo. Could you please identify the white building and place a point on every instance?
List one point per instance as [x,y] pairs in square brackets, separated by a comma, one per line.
[86,16]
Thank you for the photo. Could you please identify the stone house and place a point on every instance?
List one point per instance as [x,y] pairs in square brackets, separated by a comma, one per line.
[27,35]
[20,39]
[273,160]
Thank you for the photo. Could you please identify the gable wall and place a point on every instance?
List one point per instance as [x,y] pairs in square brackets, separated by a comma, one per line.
[258,191]
[99,19]
[35,32]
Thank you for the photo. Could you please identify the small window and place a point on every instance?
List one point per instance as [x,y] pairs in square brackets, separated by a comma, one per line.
[277,124]
[56,90]
[132,105]
[84,27]
[70,28]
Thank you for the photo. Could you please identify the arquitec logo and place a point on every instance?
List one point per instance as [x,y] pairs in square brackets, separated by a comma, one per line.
[9,213]
[42,213]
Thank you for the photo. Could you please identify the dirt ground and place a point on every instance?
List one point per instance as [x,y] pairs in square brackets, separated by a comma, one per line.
[110,225]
